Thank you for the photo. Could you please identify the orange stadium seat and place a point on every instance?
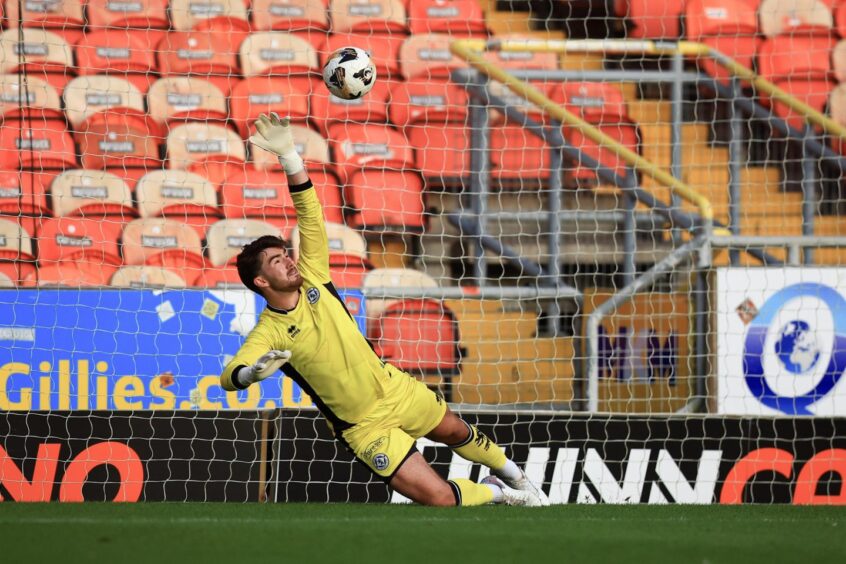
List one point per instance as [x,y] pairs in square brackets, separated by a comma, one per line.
[36,144]
[781,17]
[34,98]
[201,54]
[62,17]
[92,194]
[164,242]
[329,110]
[141,276]
[70,275]
[840,19]
[178,99]
[372,16]
[384,50]
[119,141]
[391,278]
[278,53]
[728,26]
[517,154]
[218,277]
[41,54]
[219,16]
[227,237]
[428,56]
[290,15]
[180,195]
[456,17]
[358,145]
[92,240]
[419,336]
[311,146]
[385,200]
[651,19]
[202,147]
[88,96]
[433,116]
[285,95]
[117,52]
[23,192]
[145,19]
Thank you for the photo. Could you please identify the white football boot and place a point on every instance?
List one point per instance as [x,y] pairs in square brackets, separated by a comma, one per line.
[525,485]
[510,496]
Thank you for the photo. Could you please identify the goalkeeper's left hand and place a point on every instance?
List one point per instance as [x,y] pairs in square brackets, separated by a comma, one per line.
[269,363]
[274,135]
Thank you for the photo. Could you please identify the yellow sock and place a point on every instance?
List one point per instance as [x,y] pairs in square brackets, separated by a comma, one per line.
[479,448]
[469,493]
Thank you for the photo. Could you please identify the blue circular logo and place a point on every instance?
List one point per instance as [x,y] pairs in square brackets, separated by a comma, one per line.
[796,348]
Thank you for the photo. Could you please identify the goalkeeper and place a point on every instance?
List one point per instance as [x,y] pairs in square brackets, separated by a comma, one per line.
[376,410]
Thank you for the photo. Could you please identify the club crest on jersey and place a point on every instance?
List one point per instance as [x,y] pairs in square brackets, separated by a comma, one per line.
[380,461]
[313,294]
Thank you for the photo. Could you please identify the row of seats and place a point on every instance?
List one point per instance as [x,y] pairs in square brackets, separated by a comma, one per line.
[388,16]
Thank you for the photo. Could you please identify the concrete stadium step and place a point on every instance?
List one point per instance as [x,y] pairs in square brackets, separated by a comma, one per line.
[470,306]
[650,111]
[515,381]
[540,349]
[490,326]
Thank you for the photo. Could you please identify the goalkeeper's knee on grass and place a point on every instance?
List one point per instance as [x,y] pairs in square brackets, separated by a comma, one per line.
[479,448]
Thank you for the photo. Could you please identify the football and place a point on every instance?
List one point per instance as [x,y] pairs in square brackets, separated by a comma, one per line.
[349,73]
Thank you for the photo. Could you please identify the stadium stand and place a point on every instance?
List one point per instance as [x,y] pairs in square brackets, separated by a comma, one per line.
[117,52]
[91,194]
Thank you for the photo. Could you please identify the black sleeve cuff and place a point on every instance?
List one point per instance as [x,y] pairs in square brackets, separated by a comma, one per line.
[300,187]
[234,378]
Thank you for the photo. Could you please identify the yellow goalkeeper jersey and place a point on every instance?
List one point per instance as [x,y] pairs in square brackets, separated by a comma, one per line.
[330,358]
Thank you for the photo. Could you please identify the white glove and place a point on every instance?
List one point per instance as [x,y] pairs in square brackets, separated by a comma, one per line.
[265,366]
[274,135]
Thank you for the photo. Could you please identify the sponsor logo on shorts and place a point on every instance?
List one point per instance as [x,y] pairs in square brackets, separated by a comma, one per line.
[313,294]
[374,446]
[381,461]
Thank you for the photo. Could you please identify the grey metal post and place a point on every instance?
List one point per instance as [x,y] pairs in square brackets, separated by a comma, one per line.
[735,151]
[700,338]
[554,228]
[479,176]
[629,234]
[676,131]
[809,192]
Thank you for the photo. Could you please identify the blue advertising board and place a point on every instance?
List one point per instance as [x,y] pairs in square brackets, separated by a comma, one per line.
[133,349]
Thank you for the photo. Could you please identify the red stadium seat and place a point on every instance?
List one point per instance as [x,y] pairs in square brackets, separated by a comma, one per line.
[34,98]
[137,15]
[41,54]
[348,271]
[419,336]
[455,17]
[384,50]
[142,276]
[37,144]
[285,95]
[81,239]
[729,26]
[92,194]
[112,141]
[652,19]
[373,16]
[595,102]
[201,54]
[626,134]
[428,56]
[517,154]
[218,277]
[164,242]
[386,200]
[117,52]
[368,145]
[63,17]
[220,16]
[70,274]
[23,192]
[424,102]
[372,108]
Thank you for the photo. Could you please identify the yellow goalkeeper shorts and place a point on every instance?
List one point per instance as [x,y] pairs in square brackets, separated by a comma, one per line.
[386,437]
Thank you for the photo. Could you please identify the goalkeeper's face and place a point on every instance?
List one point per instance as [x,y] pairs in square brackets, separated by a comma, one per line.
[279,271]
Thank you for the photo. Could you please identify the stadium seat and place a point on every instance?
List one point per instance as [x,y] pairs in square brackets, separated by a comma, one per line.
[145,18]
[227,237]
[391,278]
[164,242]
[372,108]
[292,15]
[201,54]
[204,144]
[419,336]
[220,16]
[36,144]
[91,193]
[651,19]
[86,96]
[371,16]
[785,17]
[68,274]
[141,276]
[62,17]
[385,50]
[285,95]
[179,195]
[385,200]
[278,53]
[92,240]
[16,251]
[42,54]
[218,278]
[35,98]
[117,52]
[728,26]
[6,282]
[23,192]
[428,56]
[433,116]
[838,61]
[498,89]
[358,145]
[342,240]
[517,154]
[178,99]
[119,141]
[840,19]
[456,17]
[311,146]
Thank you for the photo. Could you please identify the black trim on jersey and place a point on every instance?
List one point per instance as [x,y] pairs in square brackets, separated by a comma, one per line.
[234,378]
[278,310]
[300,187]
[468,439]
[334,291]
[338,423]
[456,491]
[410,452]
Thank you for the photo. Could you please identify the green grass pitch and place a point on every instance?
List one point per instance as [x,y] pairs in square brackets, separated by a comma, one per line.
[297,533]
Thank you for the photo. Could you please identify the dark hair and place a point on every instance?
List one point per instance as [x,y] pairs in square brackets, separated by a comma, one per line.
[249,260]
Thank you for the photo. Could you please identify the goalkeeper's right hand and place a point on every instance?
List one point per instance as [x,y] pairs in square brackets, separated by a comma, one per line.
[268,364]
[274,135]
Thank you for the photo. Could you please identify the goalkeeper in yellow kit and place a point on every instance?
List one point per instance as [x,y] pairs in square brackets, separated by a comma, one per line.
[373,408]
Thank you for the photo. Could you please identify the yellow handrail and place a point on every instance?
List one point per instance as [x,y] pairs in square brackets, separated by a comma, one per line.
[468,49]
